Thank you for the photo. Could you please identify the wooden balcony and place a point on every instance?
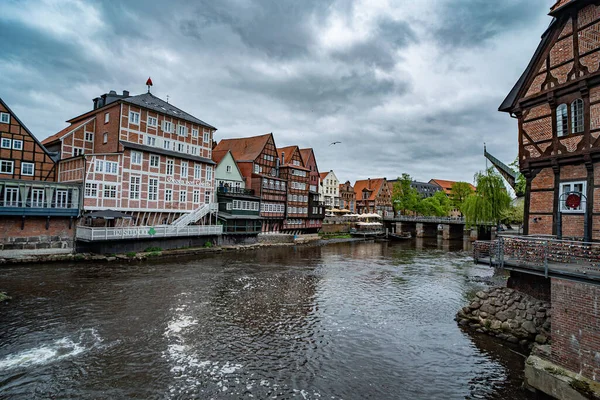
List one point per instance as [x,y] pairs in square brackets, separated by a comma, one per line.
[37,198]
[93,234]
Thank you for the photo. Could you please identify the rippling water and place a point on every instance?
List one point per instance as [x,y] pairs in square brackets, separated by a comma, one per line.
[344,321]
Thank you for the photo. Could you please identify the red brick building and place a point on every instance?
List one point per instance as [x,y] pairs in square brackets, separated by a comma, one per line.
[347,197]
[259,164]
[37,214]
[316,210]
[374,196]
[557,104]
[143,158]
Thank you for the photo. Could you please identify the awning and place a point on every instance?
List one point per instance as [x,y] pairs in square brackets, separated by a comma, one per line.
[106,214]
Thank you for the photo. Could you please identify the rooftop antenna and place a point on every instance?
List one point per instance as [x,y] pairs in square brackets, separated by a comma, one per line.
[167,98]
[149,83]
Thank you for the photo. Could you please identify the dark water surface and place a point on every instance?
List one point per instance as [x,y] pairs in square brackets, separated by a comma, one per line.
[344,321]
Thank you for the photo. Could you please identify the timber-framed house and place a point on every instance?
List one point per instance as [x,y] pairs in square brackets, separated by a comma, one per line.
[557,104]
[316,210]
[374,196]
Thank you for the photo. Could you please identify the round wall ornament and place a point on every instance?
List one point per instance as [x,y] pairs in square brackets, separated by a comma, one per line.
[573,200]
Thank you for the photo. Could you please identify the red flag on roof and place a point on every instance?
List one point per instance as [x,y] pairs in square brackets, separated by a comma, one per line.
[149,82]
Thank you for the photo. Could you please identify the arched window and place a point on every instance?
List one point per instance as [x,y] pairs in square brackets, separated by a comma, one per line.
[577,116]
[562,127]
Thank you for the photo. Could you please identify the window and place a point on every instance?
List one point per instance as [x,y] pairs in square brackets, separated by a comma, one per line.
[208,173]
[152,121]
[182,130]
[167,126]
[134,118]
[195,133]
[11,197]
[180,147]
[37,198]
[4,118]
[577,116]
[89,137]
[91,190]
[6,167]
[167,144]
[154,161]
[229,168]
[136,157]
[256,169]
[134,187]
[17,144]
[170,167]
[110,167]
[152,189]
[106,118]
[61,199]
[183,196]
[150,141]
[206,136]
[6,143]
[228,207]
[105,138]
[77,151]
[99,166]
[184,169]
[197,171]
[575,203]
[194,150]
[168,195]
[27,168]
[207,197]
[196,196]
[296,163]
[110,191]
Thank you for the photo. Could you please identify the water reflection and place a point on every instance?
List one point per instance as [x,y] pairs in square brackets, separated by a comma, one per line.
[352,321]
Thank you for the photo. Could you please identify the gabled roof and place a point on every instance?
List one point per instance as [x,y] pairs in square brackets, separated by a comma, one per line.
[306,153]
[244,149]
[559,5]
[446,185]
[59,135]
[373,185]
[217,156]
[289,152]
[151,102]
[323,175]
[13,115]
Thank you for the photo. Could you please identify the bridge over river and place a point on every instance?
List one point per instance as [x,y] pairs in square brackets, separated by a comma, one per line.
[427,227]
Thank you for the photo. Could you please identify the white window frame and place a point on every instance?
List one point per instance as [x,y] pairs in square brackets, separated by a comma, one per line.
[6,143]
[170,168]
[150,141]
[152,121]
[78,151]
[196,196]
[184,169]
[153,189]
[28,164]
[195,133]
[89,136]
[105,138]
[154,161]
[183,196]
[99,166]
[134,118]
[209,172]
[570,187]
[4,163]
[167,127]
[4,118]
[106,118]
[206,136]
[168,195]
[182,130]
[110,191]
[112,167]
[207,197]
[136,157]
[37,197]
[229,169]
[91,189]
[14,196]
[167,144]
[17,144]
[135,187]
[62,199]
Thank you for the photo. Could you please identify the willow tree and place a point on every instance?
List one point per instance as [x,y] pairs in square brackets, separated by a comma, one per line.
[489,203]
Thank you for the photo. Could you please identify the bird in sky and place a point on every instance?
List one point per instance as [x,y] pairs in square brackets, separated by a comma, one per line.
[332,143]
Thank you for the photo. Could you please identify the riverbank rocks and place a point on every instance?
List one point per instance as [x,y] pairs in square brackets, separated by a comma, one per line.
[508,315]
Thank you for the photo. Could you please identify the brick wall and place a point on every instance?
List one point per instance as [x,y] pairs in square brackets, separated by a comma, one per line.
[35,235]
[533,285]
[572,226]
[571,172]
[576,327]
[541,202]
[543,180]
[540,224]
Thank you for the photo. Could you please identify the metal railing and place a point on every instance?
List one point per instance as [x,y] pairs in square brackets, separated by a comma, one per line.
[145,232]
[541,253]
[437,220]
[19,197]
[234,190]
[194,216]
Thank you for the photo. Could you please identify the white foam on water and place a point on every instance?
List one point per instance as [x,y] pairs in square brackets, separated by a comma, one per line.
[176,326]
[58,350]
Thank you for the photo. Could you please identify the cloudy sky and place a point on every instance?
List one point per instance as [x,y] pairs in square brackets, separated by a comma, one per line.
[406,86]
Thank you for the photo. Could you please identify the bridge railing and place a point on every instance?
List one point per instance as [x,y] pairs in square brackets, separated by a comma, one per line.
[541,253]
[438,220]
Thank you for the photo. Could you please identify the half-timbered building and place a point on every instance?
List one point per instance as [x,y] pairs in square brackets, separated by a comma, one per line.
[259,164]
[373,196]
[557,104]
[144,158]
[36,212]
[347,197]
[316,209]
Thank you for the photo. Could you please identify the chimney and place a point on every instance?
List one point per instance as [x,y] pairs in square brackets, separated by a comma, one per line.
[282,158]
[369,183]
[125,93]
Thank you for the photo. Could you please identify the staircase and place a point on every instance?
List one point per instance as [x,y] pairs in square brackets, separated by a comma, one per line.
[194,216]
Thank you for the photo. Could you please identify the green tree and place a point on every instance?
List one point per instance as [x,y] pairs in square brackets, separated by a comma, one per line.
[489,202]
[404,197]
[438,205]
[520,181]
[459,193]
[515,214]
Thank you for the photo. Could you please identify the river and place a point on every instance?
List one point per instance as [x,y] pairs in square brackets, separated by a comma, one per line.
[342,321]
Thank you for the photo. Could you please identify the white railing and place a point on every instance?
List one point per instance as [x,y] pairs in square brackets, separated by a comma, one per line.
[194,216]
[91,234]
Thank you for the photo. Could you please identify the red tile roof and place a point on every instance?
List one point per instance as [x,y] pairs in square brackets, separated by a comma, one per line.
[305,154]
[218,155]
[63,132]
[559,4]
[289,152]
[446,185]
[323,175]
[372,184]
[244,149]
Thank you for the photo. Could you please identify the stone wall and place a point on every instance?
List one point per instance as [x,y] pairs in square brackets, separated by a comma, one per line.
[508,315]
[336,228]
[35,238]
[275,238]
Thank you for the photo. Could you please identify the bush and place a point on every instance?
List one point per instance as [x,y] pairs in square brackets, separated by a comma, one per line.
[154,254]
[131,254]
[208,245]
[152,249]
